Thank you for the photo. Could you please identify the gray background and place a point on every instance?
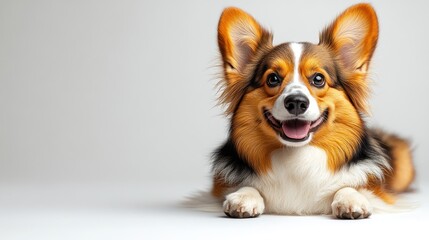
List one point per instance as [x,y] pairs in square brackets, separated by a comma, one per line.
[108,116]
[124,91]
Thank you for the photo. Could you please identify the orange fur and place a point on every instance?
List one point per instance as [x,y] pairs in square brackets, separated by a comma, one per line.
[340,135]
[401,160]
[234,20]
[219,187]
[378,188]
[340,52]
[337,36]
[254,138]
[249,141]
[239,50]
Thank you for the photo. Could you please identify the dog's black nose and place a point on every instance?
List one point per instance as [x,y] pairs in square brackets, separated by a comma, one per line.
[296,104]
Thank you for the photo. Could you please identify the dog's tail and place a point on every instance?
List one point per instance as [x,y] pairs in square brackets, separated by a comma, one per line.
[203,201]
[399,151]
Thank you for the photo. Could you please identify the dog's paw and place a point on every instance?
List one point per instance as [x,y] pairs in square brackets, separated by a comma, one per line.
[244,203]
[350,204]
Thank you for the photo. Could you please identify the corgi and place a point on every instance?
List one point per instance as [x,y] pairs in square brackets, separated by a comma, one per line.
[298,143]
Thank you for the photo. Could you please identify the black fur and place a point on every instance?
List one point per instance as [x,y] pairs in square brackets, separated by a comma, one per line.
[371,148]
[229,165]
[387,150]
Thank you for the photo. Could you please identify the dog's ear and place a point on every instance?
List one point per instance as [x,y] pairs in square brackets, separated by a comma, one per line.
[353,38]
[239,38]
[241,41]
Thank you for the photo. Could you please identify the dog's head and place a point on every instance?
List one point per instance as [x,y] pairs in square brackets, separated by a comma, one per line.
[296,94]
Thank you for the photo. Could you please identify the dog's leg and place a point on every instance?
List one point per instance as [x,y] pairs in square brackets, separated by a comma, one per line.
[247,202]
[350,204]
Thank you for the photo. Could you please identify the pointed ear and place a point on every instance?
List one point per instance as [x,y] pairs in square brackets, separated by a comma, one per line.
[353,37]
[239,38]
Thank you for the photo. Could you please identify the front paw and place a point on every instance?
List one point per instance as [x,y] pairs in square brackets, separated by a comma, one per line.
[350,204]
[244,203]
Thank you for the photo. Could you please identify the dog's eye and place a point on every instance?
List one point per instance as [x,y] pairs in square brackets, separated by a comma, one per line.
[318,80]
[273,80]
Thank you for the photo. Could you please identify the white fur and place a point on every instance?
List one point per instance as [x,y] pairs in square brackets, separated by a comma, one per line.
[349,203]
[202,201]
[296,144]
[297,52]
[241,34]
[402,203]
[245,200]
[296,86]
[301,183]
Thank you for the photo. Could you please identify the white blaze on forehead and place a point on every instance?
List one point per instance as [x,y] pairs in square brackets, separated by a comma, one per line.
[296,86]
[297,52]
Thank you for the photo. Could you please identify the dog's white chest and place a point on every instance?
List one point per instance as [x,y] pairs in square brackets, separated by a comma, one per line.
[299,183]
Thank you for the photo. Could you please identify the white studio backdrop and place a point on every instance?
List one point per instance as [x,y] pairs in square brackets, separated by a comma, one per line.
[124,91]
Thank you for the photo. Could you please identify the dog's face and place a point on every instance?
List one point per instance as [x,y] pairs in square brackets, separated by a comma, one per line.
[298,91]
[296,94]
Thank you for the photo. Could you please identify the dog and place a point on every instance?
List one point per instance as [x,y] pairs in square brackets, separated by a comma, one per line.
[298,142]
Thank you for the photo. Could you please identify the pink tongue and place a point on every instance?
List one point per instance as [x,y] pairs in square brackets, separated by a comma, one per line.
[296,129]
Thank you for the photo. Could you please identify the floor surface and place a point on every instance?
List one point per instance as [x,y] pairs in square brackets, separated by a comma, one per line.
[78,211]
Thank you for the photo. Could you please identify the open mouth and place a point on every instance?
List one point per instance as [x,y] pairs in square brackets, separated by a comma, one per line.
[295,130]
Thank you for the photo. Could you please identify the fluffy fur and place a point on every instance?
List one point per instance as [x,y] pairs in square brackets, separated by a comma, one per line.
[298,142]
